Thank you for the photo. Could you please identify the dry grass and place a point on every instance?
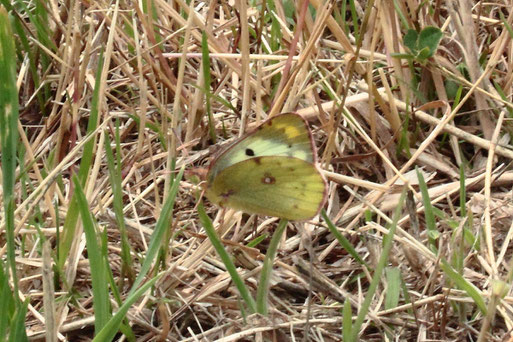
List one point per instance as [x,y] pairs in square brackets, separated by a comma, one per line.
[375,117]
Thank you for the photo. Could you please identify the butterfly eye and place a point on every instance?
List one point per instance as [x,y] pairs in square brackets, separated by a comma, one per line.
[250,152]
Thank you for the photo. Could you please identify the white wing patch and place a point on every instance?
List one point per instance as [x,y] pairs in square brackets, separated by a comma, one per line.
[285,135]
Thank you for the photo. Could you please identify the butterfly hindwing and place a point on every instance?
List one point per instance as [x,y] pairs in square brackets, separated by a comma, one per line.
[285,187]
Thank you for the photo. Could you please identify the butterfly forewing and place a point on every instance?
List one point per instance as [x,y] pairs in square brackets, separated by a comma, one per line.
[278,186]
[285,135]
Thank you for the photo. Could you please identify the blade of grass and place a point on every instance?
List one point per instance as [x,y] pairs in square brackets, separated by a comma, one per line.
[70,223]
[464,285]
[341,239]
[18,333]
[125,327]
[225,257]
[31,53]
[205,62]
[117,192]
[256,241]
[265,276]
[393,276]
[6,302]
[383,260]
[160,230]
[101,303]
[428,213]
[347,320]
[111,328]
[9,113]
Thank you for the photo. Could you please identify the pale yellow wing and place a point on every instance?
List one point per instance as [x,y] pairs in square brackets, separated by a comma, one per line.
[284,187]
[285,135]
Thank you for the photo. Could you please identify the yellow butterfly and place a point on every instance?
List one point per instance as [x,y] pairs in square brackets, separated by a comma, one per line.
[271,171]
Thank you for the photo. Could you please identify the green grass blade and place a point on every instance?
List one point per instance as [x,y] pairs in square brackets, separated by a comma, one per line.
[463,284]
[117,192]
[205,61]
[18,333]
[393,276]
[428,213]
[256,241]
[347,320]
[6,302]
[225,257]
[265,276]
[341,239]
[101,303]
[111,328]
[9,113]
[506,24]
[463,193]
[70,223]
[383,260]
[161,227]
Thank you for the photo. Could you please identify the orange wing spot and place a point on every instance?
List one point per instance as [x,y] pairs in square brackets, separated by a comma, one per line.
[257,160]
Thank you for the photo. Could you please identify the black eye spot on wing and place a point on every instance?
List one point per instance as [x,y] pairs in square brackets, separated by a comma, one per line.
[268,179]
[250,152]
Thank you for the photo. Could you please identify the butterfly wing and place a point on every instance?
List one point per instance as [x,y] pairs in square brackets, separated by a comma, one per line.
[285,135]
[285,187]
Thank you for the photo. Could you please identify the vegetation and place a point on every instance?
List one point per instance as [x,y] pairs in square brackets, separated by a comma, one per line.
[109,110]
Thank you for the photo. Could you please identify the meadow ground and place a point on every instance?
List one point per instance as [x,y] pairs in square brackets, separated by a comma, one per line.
[109,111]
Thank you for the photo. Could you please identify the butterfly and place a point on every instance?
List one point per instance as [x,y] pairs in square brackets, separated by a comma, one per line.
[270,171]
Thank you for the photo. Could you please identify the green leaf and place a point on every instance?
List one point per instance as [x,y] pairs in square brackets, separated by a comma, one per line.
[410,40]
[430,37]
[423,45]
[424,54]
